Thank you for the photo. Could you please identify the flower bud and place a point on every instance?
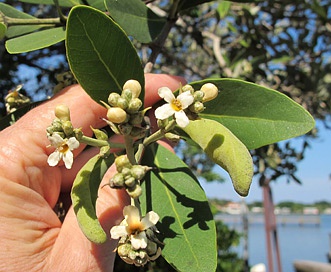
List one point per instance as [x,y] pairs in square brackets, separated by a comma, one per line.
[198,95]
[116,115]
[113,98]
[134,191]
[78,133]
[126,172]
[210,91]
[99,134]
[117,180]
[134,105]
[151,248]
[187,87]
[62,112]
[138,171]
[67,128]
[124,249]
[134,86]
[122,162]
[172,137]
[122,103]
[130,182]
[197,107]
[127,94]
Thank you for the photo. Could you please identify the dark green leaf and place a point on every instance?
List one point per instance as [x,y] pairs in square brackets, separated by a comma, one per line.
[36,40]
[223,148]
[100,55]
[187,226]
[256,115]
[136,19]
[84,194]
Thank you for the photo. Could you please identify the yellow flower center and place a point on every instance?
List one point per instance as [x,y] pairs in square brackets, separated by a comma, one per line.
[176,105]
[135,228]
[64,148]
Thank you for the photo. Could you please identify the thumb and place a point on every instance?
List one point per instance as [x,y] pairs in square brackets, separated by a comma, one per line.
[82,254]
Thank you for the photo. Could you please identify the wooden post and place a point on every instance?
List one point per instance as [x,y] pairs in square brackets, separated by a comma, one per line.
[270,228]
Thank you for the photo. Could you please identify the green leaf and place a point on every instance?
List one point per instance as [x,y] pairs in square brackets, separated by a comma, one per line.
[223,148]
[63,3]
[98,4]
[84,194]
[35,41]
[256,115]
[3,30]
[223,9]
[187,226]
[100,55]
[136,19]
[14,31]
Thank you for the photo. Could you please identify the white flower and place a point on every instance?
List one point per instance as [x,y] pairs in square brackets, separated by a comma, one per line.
[63,150]
[134,227]
[175,106]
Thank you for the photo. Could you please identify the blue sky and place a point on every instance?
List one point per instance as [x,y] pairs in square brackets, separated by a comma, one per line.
[313,171]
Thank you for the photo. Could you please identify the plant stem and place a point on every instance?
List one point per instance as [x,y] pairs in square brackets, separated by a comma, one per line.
[158,44]
[129,149]
[159,134]
[99,143]
[9,21]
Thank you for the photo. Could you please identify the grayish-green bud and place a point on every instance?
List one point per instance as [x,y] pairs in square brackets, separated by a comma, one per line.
[134,105]
[113,98]
[130,182]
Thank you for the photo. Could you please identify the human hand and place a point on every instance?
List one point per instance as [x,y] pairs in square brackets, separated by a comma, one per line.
[32,236]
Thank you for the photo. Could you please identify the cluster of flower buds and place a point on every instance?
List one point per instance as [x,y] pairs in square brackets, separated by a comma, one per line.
[138,243]
[15,100]
[128,176]
[138,257]
[63,137]
[62,125]
[206,93]
[124,114]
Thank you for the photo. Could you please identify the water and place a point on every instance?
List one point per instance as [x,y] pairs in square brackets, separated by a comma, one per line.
[306,242]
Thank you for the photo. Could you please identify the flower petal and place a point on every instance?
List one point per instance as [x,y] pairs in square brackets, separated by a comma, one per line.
[131,214]
[56,140]
[181,119]
[164,112]
[150,219]
[186,99]
[139,240]
[54,158]
[166,94]
[72,143]
[68,159]
[118,231]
